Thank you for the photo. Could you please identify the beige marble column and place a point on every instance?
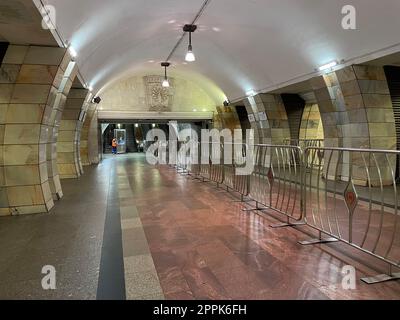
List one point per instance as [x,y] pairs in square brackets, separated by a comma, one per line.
[356,112]
[30,78]
[52,169]
[84,144]
[68,143]
[251,108]
[311,127]
[229,118]
[270,118]
[94,141]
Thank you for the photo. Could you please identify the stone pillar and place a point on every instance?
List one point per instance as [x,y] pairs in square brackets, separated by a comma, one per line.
[84,148]
[270,118]
[62,92]
[252,111]
[356,112]
[331,105]
[30,78]
[229,118]
[311,127]
[68,143]
[94,141]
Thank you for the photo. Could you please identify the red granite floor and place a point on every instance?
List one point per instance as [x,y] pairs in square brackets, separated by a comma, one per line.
[205,247]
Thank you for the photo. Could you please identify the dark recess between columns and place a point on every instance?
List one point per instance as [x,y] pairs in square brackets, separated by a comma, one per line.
[393,79]
[243,119]
[3,50]
[294,106]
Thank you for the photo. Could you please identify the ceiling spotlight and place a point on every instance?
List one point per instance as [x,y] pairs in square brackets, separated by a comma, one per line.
[165,82]
[90,88]
[227,103]
[190,55]
[328,66]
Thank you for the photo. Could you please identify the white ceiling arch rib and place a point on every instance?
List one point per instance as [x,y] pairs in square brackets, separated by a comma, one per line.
[240,45]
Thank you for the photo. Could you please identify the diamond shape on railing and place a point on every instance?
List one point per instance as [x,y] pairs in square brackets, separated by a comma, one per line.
[270,176]
[350,197]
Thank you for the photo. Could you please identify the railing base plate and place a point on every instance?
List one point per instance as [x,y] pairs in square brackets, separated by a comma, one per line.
[381,278]
[285,225]
[254,209]
[316,241]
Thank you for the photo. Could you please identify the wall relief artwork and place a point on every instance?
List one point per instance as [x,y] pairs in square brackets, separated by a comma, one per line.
[158,98]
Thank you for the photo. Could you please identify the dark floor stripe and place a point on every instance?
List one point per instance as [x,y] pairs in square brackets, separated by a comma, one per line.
[111,284]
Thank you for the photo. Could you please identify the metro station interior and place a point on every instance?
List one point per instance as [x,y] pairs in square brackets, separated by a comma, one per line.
[92,90]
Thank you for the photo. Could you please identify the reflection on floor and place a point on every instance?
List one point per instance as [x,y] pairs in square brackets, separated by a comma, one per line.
[130,230]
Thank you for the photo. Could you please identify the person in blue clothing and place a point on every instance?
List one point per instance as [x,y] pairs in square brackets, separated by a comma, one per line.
[114,145]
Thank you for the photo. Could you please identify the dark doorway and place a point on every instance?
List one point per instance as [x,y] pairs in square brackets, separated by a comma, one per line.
[393,80]
[294,106]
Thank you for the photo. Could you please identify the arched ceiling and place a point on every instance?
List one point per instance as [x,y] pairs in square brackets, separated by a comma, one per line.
[240,45]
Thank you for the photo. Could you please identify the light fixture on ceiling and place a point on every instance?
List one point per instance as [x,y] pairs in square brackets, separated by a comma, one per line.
[250,93]
[72,52]
[136,125]
[227,103]
[90,88]
[328,66]
[165,82]
[190,55]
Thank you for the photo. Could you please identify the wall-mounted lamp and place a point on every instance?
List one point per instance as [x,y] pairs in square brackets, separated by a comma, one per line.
[190,55]
[165,82]
[328,66]
[250,93]
[72,52]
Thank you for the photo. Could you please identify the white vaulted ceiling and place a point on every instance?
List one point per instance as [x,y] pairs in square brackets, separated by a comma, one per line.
[240,44]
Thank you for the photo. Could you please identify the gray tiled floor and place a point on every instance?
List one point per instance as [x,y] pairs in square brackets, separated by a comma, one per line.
[69,238]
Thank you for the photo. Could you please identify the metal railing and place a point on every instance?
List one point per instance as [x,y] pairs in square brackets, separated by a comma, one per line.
[347,195]
[239,183]
[311,159]
[305,143]
[276,182]
[353,199]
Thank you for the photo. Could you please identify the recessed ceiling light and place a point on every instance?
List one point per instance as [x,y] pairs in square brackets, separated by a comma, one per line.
[216,29]
[171,21]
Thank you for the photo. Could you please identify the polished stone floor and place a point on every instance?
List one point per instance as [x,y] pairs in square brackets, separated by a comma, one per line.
[128,230]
